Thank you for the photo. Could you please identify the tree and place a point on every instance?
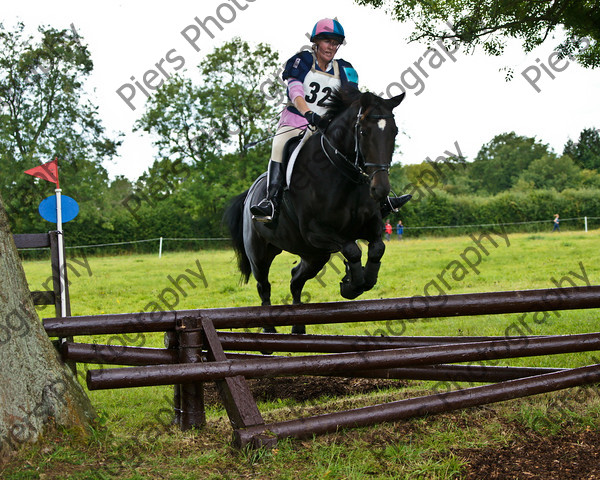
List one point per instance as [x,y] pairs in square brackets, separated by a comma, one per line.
[181,119]
[204,128]
[586,152]
[398,178]
[230,107]
[500,162]
[237,76]
[552,172]
[490,23]
[36,388]
[44,114]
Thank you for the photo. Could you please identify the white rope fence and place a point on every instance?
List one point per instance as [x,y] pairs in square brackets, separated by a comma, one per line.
[585,219]
[116,243]
[160,240]
[157,239]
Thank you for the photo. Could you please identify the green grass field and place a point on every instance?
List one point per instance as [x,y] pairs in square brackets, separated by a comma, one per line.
[131,440]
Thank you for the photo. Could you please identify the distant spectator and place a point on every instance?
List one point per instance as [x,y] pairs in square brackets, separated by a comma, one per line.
[556,227]
[399,229]
[388,230]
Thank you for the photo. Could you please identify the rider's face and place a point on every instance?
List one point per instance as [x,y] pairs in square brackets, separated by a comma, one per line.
[326,50]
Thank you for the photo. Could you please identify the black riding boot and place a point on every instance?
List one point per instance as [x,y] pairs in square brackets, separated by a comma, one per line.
[268,208]
[393,204]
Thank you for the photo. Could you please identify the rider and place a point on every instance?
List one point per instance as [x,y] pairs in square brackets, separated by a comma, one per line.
[312,76]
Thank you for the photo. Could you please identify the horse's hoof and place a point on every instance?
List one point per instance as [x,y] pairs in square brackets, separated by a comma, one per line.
[350,292]
[268,329]
[299,329]
[367,288]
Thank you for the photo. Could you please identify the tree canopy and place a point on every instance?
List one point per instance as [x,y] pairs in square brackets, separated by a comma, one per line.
[508,162]
[208,125]
[586,151]
[45,114]
[500,162]
[228,108]
[491,23]
[552,172]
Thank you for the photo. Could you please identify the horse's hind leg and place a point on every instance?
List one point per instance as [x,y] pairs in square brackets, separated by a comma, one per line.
[301,273]
[260,270]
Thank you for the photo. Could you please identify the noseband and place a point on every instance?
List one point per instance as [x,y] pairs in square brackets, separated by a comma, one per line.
[355,171]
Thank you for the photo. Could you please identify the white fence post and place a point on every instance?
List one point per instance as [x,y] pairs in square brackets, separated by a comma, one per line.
[585,218]
[160,248]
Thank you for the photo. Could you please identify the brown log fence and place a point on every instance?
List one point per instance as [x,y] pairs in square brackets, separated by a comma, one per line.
[196,353]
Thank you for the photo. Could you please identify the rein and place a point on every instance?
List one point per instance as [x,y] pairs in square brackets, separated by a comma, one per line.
[355,171]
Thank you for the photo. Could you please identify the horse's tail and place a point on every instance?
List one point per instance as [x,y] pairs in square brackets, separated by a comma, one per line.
[234,219]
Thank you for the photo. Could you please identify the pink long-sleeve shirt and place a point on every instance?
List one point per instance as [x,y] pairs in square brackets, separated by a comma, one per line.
[295,90]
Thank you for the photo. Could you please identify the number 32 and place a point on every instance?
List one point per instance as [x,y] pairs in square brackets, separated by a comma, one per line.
[315,88]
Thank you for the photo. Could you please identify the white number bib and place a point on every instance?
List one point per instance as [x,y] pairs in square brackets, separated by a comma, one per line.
[319,86]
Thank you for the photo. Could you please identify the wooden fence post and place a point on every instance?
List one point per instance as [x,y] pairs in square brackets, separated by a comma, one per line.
[191,395]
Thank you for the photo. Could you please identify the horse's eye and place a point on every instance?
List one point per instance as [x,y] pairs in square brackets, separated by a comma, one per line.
[363,132]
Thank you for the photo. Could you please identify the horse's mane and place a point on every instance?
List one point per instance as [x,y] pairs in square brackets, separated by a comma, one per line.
[338,103]
[340,100]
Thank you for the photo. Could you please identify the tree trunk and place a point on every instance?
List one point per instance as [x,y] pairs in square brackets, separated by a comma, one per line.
[36,389]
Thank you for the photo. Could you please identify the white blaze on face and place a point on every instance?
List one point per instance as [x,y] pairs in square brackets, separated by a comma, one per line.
[381,124]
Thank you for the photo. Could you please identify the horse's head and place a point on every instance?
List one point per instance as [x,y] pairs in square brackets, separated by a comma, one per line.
[360,139]
[375,133]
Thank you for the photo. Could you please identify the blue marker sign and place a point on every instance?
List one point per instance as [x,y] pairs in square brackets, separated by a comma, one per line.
[47,209]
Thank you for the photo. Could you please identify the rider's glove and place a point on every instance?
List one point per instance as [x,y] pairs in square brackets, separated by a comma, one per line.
[315,120]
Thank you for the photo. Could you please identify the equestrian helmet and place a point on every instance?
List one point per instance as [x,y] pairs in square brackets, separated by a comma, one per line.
[327,28]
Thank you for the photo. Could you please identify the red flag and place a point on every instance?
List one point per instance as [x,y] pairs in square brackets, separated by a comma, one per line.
[47,171]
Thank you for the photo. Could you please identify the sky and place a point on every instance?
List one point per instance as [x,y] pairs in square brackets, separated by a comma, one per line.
[455,101]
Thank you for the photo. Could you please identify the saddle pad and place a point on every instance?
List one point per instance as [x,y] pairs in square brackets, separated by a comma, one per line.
[254,186]
[293,156]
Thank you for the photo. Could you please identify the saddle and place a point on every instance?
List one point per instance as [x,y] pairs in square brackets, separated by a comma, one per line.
[290,153]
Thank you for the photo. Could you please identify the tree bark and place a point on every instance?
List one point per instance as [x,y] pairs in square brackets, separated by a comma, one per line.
[36,388]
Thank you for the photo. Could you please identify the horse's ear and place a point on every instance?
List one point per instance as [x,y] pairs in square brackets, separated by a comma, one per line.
[395,101]
[366,99]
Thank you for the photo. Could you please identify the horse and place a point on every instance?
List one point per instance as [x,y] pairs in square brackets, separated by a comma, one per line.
[333,199]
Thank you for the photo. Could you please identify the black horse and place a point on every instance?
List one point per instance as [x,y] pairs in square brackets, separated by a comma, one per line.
[339,179]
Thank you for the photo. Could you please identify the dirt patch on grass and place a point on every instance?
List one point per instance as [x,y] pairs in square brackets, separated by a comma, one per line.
[303,389]
[529,456]
[564,456]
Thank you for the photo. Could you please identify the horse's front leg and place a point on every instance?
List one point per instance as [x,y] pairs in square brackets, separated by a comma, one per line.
[375,252]
[352,285]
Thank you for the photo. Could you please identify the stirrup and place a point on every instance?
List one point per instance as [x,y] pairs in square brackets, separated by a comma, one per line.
[263,219]
[260,216]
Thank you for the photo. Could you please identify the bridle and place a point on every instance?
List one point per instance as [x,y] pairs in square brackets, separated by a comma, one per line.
[355,171]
